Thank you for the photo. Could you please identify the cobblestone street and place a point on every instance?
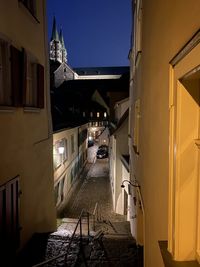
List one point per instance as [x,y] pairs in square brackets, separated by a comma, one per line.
[95,188]
[109,244]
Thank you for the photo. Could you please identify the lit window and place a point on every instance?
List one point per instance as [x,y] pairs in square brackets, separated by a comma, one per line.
[98,114]
[105,114]
[91,114]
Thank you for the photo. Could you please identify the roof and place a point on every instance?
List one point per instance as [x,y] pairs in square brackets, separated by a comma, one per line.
[77,95]
[102,70]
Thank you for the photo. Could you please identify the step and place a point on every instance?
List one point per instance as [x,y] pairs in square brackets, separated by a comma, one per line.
[73,220]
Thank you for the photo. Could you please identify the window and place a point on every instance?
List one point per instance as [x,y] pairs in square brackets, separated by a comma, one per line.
[33,95]
[136,126]
[31,92]
[30,5]
[72,144]
[10,75]
[5,71]
[21,78]
[84,114]
[59,153]
[62,188]
[82,136]
[91,114]
[138,27]
[9,214]
[105,114]
[98,114]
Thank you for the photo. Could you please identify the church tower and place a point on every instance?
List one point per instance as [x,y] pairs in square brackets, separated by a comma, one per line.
[63,49]
[55,44]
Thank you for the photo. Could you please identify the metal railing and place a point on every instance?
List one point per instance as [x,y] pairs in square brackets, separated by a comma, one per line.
[96,215]
[83,214]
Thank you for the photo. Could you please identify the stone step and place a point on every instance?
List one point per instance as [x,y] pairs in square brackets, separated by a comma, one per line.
[73,220]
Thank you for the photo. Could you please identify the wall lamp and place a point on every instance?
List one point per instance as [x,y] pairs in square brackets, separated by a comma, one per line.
[122,185]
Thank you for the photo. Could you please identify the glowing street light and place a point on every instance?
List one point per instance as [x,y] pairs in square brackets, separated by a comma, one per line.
[61,150]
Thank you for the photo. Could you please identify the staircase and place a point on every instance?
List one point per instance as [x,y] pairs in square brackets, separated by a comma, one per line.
[111,244]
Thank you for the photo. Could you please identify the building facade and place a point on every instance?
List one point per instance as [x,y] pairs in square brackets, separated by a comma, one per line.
[26,172]
[70,157]
[122,193]
[164,129]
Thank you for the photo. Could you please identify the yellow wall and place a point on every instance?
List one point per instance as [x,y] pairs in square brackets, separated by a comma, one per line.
[26,139]
[166,27]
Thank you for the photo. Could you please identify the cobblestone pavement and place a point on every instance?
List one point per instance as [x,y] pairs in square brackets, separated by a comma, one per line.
[109,244]
[95,188]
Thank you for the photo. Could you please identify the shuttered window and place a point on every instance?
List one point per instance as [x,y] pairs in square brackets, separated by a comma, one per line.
[5,81]
[21,78]
[9,214]
[16,76]
[136,126]
[33,82]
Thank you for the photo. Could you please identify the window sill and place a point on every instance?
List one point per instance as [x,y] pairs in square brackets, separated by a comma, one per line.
[7,109]
[31,110]
[168,260]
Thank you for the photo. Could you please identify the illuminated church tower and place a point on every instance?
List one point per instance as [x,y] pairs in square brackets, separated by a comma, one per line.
[63,49]
[58,51]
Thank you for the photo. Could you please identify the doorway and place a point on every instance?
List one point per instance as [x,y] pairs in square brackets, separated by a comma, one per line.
[185,172]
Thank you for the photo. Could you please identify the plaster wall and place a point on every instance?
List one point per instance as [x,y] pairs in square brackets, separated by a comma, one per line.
[166,27]
[121,107]
[70,156]
[68,171]
[26,139]
[121,148]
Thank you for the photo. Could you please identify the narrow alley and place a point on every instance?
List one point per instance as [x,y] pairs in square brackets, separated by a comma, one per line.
[109,242]
[95,189]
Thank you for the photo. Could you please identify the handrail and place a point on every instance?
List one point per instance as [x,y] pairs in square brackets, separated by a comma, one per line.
[71,239]
[96,215]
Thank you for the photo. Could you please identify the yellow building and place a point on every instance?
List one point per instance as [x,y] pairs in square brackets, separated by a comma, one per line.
[26,167]
[164,129]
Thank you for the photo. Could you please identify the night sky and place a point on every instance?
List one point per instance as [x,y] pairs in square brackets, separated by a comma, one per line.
[96,32]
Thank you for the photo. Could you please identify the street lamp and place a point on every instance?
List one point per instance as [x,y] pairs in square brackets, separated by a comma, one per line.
[134,185]
[61,150]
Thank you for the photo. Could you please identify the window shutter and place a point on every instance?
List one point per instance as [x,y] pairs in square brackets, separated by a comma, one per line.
[16,77]
[24,76]
[40,81]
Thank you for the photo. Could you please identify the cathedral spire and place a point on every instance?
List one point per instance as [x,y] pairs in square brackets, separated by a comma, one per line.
[64,50]
[61,38]
[54,35]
